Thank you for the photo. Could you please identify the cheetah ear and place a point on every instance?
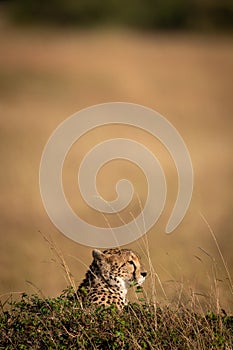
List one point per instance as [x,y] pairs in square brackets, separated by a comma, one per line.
[97,254]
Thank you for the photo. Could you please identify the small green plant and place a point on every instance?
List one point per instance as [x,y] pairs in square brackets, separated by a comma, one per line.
[62,323]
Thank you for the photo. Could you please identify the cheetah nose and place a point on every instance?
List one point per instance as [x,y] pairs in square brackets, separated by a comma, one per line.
[143,274]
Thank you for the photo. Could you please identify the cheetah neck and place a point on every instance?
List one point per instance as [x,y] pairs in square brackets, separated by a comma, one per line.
[122,287]
[94,280]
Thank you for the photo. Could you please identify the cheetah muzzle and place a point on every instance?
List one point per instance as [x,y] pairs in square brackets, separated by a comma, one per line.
[110,275]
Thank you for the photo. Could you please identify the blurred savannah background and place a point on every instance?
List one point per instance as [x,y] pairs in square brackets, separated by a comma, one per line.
[174,56]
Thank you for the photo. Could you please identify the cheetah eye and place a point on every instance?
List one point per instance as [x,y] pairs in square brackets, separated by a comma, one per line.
[131,262]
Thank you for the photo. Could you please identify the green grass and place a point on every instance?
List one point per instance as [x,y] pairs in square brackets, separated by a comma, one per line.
[62,323]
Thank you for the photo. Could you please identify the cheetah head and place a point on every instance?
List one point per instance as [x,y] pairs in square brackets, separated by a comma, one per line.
[120,267]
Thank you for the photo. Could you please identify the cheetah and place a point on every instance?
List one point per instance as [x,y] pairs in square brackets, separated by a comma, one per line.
[109,277]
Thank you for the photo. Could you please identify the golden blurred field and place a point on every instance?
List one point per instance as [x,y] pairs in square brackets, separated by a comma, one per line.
[47,75]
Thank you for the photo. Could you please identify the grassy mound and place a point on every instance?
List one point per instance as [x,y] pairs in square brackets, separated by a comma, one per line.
[62,323]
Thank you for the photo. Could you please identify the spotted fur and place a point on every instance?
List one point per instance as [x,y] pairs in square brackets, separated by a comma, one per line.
[110,275]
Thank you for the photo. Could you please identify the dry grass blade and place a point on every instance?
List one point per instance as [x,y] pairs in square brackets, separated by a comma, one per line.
[219,251]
